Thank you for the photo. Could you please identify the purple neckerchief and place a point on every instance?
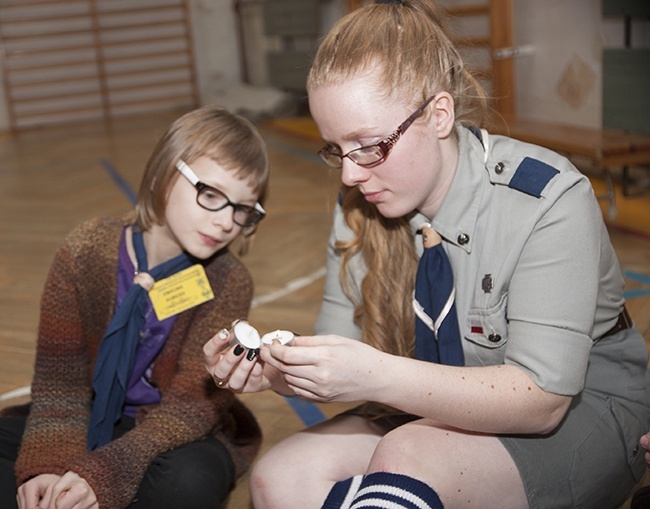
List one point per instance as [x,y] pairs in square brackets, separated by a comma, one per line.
[140,390]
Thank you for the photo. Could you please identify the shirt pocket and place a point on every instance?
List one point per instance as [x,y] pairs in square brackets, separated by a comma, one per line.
[488,327]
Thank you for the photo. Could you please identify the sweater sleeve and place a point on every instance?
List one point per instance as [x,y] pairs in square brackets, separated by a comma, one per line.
[60,409]
[191,406]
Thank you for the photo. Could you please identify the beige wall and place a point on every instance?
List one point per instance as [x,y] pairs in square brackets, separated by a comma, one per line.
[562,78]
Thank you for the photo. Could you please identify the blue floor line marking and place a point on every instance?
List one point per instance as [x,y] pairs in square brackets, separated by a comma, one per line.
[637,292]
[642,278]
[119,180]
[308,412]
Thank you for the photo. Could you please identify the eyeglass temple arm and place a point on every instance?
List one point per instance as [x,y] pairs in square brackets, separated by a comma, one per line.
[407,123]
[187,172]
[191,176]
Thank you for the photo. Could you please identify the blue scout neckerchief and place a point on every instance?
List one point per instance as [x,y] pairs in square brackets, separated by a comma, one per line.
[437,335]
[117,349]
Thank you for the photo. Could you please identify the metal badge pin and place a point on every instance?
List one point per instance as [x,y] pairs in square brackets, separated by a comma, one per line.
[488,283]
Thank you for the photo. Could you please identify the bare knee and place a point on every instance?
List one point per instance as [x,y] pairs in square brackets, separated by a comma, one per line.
[399,451]
[264,482]
[462,467]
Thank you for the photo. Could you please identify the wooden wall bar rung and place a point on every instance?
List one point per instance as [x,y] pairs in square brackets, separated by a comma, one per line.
[14,66]
[142,9]
[147,71]
[8,4]
[80,79]
[142,39]
[146,25]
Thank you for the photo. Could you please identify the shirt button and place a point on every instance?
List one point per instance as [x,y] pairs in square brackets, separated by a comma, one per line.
[495,338]
[635,451]
[463,239]
[499,168]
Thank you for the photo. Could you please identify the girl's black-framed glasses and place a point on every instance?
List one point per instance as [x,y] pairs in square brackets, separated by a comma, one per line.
[213,199]
[372,154]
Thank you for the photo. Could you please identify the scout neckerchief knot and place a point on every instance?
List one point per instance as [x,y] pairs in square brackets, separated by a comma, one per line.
[117,350]
[437,335]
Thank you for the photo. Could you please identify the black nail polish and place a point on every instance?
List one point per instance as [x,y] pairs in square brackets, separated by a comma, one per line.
[252,353]
[239,350]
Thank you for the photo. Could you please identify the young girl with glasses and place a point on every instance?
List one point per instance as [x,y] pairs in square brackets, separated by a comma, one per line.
[540,395]
[122,412]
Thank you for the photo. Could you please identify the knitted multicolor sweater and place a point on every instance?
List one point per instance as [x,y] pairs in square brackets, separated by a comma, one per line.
[76,307]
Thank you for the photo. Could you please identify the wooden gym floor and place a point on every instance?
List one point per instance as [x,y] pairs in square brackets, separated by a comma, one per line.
[51,179]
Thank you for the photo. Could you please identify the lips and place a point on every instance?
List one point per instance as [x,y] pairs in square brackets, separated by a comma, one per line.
[373,197]
[209,241]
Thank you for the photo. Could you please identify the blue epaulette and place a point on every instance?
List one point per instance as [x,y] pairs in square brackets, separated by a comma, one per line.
[532,176]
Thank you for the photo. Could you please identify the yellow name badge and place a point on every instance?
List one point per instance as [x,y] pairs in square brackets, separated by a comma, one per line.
[182,291]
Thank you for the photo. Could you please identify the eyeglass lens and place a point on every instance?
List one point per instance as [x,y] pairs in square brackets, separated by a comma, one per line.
[212,199]
[372,154]
[363,156]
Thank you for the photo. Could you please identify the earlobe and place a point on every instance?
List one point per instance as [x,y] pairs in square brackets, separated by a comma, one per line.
[444,114]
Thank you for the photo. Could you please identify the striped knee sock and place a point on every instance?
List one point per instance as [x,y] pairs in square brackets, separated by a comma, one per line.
[383,490]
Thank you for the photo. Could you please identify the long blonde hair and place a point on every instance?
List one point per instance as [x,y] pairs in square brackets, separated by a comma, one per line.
[406,47]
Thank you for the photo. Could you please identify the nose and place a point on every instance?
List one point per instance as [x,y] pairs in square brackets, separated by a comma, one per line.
[224,218]
[352,174]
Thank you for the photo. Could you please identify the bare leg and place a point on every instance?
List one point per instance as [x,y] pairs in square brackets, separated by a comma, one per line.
[301,470]
[465,469]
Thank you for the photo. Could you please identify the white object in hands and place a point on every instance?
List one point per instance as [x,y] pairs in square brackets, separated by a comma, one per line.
[283,336]
[247,335]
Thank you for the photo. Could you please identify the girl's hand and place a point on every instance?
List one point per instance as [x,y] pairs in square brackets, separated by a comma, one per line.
[36,490]
[72,492]
[237,368]
[328,368]
[50,491]
[215,349]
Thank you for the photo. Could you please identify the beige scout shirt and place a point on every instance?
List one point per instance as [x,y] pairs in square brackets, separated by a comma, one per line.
[537,280]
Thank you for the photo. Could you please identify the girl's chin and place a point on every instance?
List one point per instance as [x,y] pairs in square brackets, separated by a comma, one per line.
[390,211]
[204,252]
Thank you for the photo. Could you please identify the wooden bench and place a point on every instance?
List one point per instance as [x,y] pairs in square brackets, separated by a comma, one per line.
[604,149]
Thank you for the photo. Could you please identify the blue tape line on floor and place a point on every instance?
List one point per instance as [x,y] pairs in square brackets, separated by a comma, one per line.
[308,412]
[642,278]
[121,183]
[637,292]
